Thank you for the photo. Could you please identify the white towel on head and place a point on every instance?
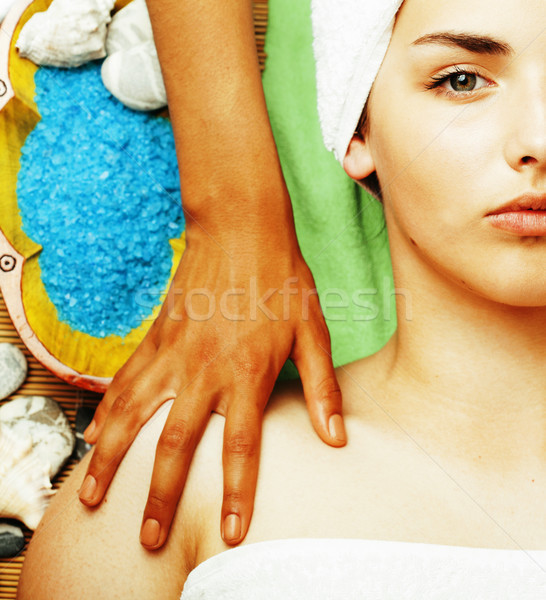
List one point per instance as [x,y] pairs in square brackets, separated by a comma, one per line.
[351,38]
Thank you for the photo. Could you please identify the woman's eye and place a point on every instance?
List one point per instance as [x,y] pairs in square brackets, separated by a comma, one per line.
[459,82]
[463,82]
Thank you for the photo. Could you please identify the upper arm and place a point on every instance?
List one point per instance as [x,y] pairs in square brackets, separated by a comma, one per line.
[81,552]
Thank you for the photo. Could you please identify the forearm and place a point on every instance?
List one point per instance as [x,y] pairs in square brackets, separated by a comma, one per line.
[230,171]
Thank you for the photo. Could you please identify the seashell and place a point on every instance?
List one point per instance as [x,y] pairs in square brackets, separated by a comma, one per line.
[68,34]
[42,420]
[129,27]
[25,488]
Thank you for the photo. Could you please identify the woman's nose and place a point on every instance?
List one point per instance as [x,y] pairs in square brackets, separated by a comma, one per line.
[526,143]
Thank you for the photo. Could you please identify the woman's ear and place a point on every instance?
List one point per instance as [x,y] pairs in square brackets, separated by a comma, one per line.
[358,162]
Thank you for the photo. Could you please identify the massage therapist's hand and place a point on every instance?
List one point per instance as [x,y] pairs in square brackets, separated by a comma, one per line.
[225,330]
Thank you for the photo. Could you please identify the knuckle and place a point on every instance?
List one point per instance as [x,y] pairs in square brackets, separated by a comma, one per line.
[248,366]
[205,345]
[108,455]
[177,438]
[248,371]
[158,501]
[125,402]
[205,355]
[98,463]
[233,498]
[328,390]
[118,378]
[241,444]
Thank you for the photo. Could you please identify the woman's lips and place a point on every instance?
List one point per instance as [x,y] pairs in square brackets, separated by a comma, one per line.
[523,222]
[523,216]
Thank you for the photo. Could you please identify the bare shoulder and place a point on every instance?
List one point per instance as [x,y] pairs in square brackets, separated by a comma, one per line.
[296,468]
[82,553]
[78,552]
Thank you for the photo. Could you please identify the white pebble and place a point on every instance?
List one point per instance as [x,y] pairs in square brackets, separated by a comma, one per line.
[13,369]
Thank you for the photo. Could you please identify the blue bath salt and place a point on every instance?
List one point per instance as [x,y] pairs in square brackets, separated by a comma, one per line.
[98,189]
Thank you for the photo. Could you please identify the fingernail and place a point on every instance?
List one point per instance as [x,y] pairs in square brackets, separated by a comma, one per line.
[90,430]
[336,428]
[149,534]
[232,528]
[88,489]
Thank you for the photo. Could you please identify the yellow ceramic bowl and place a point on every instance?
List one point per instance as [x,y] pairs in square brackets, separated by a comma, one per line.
[74,356]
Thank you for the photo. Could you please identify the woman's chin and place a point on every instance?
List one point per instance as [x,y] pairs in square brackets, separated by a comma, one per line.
[525,294]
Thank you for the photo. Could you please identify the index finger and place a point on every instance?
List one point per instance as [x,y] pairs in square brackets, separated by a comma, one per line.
[131,409]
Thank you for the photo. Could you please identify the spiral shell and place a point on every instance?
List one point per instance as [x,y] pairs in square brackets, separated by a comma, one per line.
[68,34]
[25,488]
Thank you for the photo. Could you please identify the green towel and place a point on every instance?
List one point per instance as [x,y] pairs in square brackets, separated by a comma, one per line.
[341,229]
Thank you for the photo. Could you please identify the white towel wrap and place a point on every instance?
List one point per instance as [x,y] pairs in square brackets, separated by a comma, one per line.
[351,38]
[347,569]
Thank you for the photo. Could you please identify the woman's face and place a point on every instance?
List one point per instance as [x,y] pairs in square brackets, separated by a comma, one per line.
[457,133]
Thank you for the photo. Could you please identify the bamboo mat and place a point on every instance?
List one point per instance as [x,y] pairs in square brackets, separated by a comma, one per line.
[41,382]
[260,11]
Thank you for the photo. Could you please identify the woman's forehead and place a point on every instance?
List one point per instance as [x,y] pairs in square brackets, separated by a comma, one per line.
[511,20]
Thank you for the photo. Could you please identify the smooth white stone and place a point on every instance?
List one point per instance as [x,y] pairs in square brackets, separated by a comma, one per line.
[43,420]
[134,77]
[13,369]
[129,27]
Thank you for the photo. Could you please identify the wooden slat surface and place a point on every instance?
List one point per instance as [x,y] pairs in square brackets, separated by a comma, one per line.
[41,382]
[260,9]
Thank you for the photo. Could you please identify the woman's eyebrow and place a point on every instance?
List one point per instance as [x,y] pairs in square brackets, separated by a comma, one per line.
[479,44]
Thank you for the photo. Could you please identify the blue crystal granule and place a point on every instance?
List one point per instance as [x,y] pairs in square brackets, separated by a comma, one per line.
[98,189]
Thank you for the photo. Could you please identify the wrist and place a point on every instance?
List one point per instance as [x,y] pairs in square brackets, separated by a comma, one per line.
[240,214]
[242,234]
